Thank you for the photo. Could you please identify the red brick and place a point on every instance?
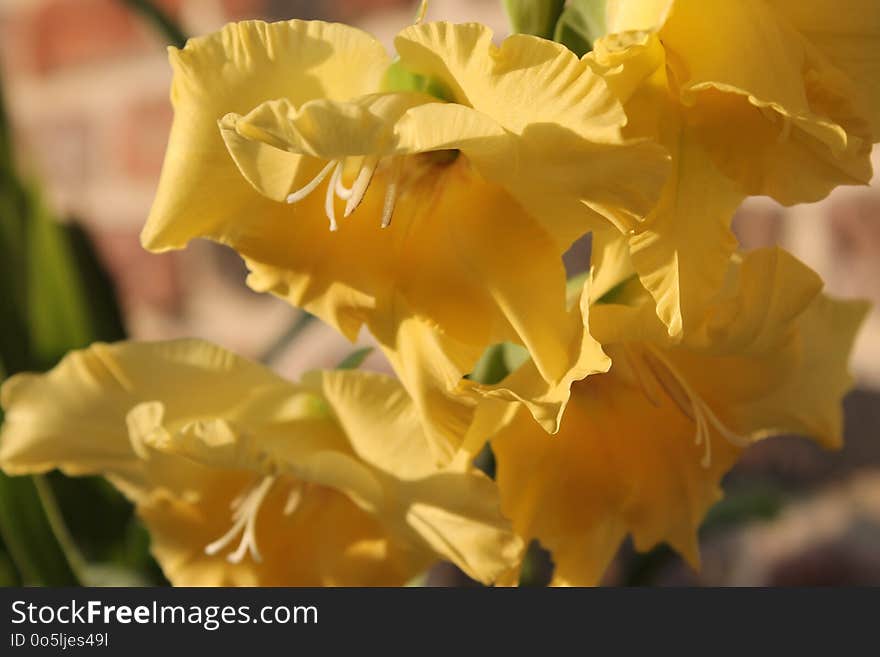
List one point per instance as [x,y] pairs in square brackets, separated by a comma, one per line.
[64,33]
[60,148]
[141,278]
[141,137]
[346,10]
[236,10]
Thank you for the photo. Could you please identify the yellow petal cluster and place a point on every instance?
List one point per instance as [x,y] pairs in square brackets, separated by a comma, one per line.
[438,224]
[755,97]
[642,449]
[246,479]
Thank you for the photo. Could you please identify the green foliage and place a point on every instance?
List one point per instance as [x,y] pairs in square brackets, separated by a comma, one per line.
[355,359]
[28,537]
[398,78]
[54,297]
[536,17]
[581,23]
[163,23]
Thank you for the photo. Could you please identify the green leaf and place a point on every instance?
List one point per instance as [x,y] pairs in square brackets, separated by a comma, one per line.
[491,368]
[398,78]
[163,23]
[57,308]
[355,359]
[581,23]
[536,17]
[28,536]
[71,301]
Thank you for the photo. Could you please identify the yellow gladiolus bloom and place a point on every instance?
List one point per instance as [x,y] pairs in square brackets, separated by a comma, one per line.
[439,223]
[243,478]
[642,449]
[753,97]
[784,94]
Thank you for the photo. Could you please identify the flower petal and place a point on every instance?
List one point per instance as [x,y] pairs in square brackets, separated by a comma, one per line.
[766,102]
[572,164]
[846,32]
[201,193]
[809,402]
[619,464]
[327,541]
[681,250]
[76,417]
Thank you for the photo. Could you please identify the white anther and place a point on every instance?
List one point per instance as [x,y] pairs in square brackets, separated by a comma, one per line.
[360,185]
[391,191]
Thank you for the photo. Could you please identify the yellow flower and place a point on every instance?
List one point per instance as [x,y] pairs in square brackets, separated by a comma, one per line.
[784,94]
[643,448]
[753,97]
[438,225]
[243,478]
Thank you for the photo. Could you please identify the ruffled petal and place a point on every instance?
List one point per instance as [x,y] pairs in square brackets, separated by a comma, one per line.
[201,192]
[620,464]
[681,250]
[572,166]
[78,417]
[809,401]
[775,114]
[846,32]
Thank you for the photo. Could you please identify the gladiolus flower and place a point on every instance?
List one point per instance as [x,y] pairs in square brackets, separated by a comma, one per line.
[439,223]
[642,449]
[243,478]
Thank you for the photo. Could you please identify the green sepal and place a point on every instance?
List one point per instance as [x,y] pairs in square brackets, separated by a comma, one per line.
[581,23]
[535,17]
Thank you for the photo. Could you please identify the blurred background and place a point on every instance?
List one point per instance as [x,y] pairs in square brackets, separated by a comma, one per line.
[85,86]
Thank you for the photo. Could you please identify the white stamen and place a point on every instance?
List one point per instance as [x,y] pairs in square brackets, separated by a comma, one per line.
[330,198]
[342,191]
[301,193]
[244,516]
[391,192]
[694,407]
[293,500]
[361,184]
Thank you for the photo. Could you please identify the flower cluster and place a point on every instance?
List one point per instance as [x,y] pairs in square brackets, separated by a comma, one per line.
[430,198]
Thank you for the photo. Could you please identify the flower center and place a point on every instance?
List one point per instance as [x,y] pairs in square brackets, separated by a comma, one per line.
[687,399]
[355,194]
[245,509]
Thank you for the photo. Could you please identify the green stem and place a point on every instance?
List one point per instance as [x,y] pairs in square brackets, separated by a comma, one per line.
[27,534]
[160,20]
[59,528]
[286,339]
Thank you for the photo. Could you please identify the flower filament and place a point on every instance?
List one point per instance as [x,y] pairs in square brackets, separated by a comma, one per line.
[245,509]
[355,194]
[689,402]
